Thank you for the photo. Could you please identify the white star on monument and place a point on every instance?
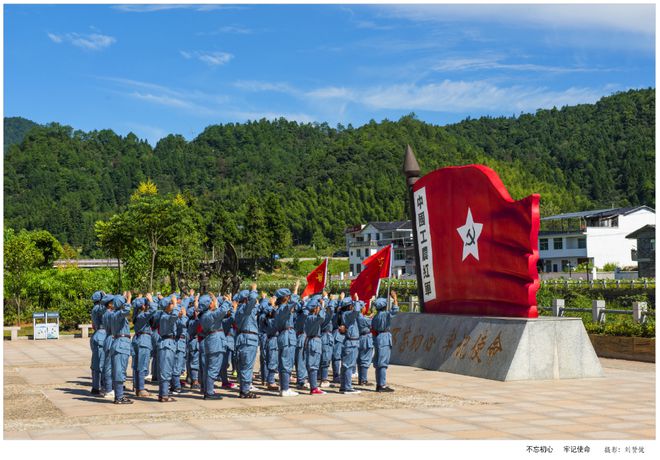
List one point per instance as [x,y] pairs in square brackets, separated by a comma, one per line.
[470,234]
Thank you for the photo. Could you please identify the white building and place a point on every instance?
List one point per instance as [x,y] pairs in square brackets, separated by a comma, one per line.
[365,240]
[597,237]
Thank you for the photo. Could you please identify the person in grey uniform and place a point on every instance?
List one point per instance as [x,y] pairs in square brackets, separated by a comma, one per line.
[181,345]
[107,391]
[96,342]
[247,340]
[167,324]
[214,344]
[383,340]
[338,342]
[230,340]
[121,345]
[313,343]
[192,358]
[351,341]
[365,349]
[143,310]
[301,353]
[155,339]
[286,304]
[272,353]
[327,342]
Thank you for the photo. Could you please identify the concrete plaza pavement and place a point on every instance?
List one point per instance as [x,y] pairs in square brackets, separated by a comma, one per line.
[46,396]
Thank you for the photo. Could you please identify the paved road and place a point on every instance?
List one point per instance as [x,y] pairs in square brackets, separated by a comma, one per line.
[46,397]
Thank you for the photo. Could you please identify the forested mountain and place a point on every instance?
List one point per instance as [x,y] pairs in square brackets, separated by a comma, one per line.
[327,178]
[15,129]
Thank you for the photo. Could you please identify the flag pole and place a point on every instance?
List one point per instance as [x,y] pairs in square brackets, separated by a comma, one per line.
[325,277]
[389,278]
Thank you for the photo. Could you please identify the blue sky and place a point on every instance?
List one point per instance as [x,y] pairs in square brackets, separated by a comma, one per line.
[160,69]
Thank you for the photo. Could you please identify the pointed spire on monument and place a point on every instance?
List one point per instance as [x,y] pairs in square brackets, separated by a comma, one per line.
[410,166]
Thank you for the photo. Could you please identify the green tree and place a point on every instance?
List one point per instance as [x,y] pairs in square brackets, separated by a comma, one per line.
[183,250]
[256,234]
[47,244]
[318,240]
[114,237]
[154,219]
[21,257]
[279,235]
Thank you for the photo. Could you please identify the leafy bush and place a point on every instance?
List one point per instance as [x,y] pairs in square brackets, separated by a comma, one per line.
[74,312]
[67,290]
[610,267]
[621,326]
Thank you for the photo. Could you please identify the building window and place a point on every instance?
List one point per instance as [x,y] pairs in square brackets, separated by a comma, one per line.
[360,238]
[557,243]
[359,268]
[351,268]
[399,254]
[359,252]
[377,236]
[582,243]
[543,244]
[351,253]
[387,235]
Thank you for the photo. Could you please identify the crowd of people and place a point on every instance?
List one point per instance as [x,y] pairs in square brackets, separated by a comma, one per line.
[190,341]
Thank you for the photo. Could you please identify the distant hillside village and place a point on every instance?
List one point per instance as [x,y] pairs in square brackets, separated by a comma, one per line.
[618,240]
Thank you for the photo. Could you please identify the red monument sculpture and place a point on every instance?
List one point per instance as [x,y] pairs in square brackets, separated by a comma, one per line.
[476,247]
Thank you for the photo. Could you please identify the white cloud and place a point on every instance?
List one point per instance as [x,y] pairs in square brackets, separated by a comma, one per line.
[93,42]
[239,30]
[331,92]
[234,30]
[458,97]
[55,38]
[258,86]
[636,18]
[212,58]
[191,101]
[465,96]
[471,64]
[162,99]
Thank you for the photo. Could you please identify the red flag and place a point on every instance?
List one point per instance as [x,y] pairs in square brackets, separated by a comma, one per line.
[366,283]
[316,279]
[383,259]
[478,248]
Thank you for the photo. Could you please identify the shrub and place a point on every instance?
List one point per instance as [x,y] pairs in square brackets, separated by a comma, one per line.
[73,313]
[610,267]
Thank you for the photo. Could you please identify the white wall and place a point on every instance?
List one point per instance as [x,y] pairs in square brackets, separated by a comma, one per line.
[607,245]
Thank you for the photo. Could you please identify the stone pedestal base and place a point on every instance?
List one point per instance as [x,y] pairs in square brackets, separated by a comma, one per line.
[495,348]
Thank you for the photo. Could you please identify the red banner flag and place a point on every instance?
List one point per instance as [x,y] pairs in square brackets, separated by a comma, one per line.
[316,279]
[478,247]
[366,283]
[383,259]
